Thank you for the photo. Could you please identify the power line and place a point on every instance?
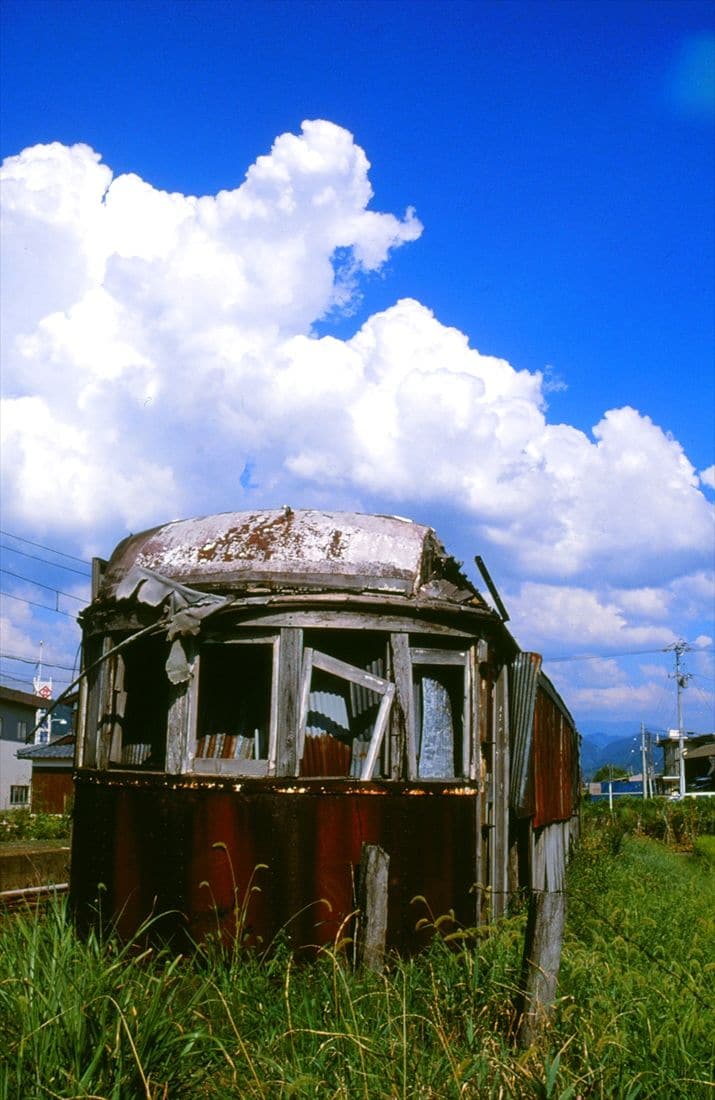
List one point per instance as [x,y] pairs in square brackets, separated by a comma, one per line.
[628,653]
[36,557]
[30,661]
[39,546]
[19,680]
[49,587]
[33,603]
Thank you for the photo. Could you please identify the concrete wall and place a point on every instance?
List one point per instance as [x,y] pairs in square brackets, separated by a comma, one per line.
[13,772]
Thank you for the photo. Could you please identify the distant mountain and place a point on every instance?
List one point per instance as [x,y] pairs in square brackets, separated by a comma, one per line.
[599,748]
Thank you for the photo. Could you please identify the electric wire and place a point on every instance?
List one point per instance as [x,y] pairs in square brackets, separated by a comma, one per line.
[628,653]
[33,603]
[40,546]
[49,587]
[35,661]
[46,561]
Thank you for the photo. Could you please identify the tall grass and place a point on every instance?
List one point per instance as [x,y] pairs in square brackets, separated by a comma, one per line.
[634,1018]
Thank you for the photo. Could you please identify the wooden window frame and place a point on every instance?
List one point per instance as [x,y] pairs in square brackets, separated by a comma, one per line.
[461,658]
[207,765]
[314,658]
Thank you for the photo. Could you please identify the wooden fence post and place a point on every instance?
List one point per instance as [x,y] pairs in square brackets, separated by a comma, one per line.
[372,904]
[544,933]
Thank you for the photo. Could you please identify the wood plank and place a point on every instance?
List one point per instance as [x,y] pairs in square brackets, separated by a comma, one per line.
[478,656]
[108,736]
[499,881]
[218,765]
[378,733]
[304,705]
[273,726]
[327,619]
[349,672]
[467,727]
[289,683]
[177,727]
[402,763]
[421,656]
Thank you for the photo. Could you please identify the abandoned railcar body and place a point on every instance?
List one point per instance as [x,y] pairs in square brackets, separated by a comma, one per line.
[267,692]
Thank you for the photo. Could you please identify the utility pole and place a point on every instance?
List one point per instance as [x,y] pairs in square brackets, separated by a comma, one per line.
[644,773]
[681,682]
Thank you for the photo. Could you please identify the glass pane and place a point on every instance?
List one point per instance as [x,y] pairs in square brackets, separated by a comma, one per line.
[438,704]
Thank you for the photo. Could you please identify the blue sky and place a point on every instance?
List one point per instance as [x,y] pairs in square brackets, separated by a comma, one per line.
[559,159]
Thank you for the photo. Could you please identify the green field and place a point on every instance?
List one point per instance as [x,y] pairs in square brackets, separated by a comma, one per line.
[635,1016]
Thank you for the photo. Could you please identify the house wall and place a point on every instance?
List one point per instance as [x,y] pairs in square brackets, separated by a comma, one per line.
[13,772]
[52,788]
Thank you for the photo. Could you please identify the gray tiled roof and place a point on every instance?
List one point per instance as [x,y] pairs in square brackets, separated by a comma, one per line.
[57,750]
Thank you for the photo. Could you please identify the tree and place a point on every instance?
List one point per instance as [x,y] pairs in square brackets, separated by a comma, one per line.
[609,771]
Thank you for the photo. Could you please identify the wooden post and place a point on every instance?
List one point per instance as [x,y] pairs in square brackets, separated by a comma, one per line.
[289,686]
[480,708]
[372,904]
[544,933]
[499,840]
[404,762]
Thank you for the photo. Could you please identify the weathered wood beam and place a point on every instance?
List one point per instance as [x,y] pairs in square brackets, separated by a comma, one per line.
[288,701]
[373,908]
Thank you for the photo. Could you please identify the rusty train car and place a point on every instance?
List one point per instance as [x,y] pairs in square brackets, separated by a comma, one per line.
[264,693]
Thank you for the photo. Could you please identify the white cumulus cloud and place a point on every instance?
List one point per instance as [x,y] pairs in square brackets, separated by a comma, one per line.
[157,346]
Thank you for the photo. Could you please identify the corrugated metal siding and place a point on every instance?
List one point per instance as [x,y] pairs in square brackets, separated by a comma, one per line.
[191,851]
[554,762]
[524,682]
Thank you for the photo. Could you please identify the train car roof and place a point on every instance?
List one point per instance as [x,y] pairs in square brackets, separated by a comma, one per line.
[296,550]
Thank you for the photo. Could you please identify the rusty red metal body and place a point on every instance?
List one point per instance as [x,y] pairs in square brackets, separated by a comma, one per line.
[191,853]
[555,764]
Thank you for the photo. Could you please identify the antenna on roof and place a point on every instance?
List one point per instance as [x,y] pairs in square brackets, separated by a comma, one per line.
[492,588]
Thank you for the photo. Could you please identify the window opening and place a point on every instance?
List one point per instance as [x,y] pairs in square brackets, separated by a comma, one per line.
[139,705]
[440,698]
[19,796]
[344,710]
[21,731]
[235,707]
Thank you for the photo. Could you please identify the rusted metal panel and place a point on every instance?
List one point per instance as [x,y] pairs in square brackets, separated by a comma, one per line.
[193,851]
[524,682]
[555,761]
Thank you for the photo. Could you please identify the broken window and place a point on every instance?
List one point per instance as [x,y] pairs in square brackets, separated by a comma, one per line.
[345,704]
[235,722]
[137,704]
[440,708]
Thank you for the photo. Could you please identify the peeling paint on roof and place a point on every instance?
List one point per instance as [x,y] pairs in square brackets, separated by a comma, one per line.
[306,549]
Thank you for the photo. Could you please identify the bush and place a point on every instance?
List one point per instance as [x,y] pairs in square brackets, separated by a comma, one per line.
[675,823]
[23,824]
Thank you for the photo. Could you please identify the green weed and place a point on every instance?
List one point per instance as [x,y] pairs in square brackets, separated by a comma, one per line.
[98,1018]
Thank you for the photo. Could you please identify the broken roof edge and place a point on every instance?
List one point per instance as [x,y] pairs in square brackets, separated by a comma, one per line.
[283,550]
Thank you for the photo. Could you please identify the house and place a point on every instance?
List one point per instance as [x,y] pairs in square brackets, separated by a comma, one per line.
[699,761]
[18,717]
[267,695]
[51,779]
